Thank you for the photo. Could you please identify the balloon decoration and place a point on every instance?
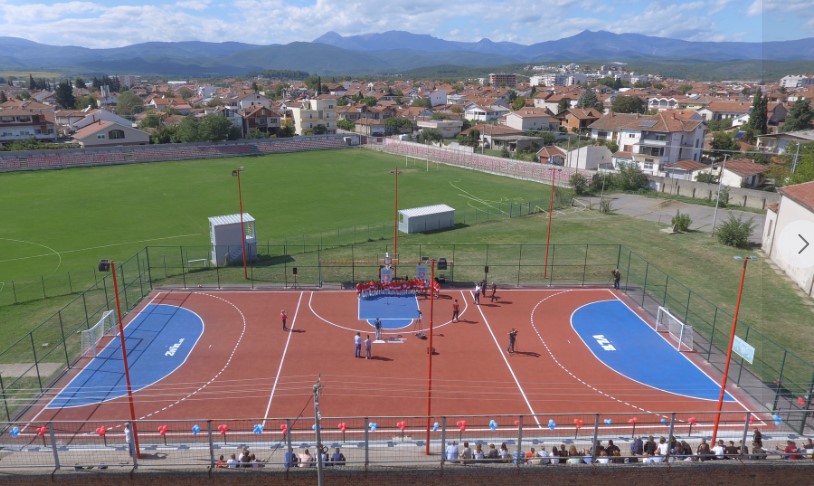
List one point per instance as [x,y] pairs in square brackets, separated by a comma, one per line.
[314,427]
[692,421]
[223,428]
[258,429]
[633,421]
[342,428]
[517,423]
[196,429]
[435,426]
[284,429]
[162,431]
[577,425]
[373,426]
[493,425]
[41,431]
[777,419]
[101,431]
[751,419]
[461,428]
[608,421]
[552,424]
[401,425]
[14,432]
[801,401]
[664,421]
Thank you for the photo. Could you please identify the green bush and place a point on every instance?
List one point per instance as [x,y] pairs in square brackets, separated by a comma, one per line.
[735,232]
[681,222]
[579,182]
[605,206]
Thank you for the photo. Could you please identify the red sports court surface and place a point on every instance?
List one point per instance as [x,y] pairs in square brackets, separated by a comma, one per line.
[245,366]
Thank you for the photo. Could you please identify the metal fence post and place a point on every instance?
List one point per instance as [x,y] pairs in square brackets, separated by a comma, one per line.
[64,341]
[44,294]
[585,264]
[644,285]
[670,436]
[3,394]
[367,442]
[211,442]
[746,421]
[595,438]
[519,263]
[519,451]
[149,271]
[36,363]
[52,436]
[443,440]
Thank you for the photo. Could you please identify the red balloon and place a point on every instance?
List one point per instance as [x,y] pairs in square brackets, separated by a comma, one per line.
[162,430]
[223,428]
[632,420]
[801,401]
[284,428]
[691,420]
[517,423]
[402,425]
[578,423]
[101,431]
[41,431]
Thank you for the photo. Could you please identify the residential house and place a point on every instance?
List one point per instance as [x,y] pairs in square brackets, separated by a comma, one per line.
[94,116]
[21,124]
[687,170]
[578,119]
[262,119]
[739,173]
[526,119]
[314,112]
[551,154]
[437,97]
[370,127]
[788,237]
[724,110]
[448,128]
[779,143]
[589,157]
[252,100]
[482,112]
[649,141]
[108,133]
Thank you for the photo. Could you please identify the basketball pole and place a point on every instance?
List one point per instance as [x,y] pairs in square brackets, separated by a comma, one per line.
[236,173]
[429,352]
[124,357]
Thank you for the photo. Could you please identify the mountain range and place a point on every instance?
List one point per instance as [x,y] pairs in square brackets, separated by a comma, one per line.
[390,52]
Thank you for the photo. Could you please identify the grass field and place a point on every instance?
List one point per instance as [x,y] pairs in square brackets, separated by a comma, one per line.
[59,221]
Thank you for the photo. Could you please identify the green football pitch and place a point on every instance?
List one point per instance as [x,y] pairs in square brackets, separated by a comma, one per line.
[55,222]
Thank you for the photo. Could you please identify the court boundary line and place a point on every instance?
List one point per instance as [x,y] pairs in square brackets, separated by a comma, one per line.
[509,366]
[282,360]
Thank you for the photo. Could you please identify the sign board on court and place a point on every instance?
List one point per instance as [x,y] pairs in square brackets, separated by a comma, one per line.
[386,275]
[421,273]
[743,349]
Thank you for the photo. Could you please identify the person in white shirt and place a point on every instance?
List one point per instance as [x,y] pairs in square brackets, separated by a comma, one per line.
[306,459]
[719,450]
[232,463]
[452,452]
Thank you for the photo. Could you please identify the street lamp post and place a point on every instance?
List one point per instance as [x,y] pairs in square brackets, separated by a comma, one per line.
[105,265]
[550,213]
[731,343]
[236,173]
[718,196]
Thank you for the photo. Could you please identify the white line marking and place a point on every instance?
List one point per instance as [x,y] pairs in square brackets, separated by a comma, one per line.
[282,359]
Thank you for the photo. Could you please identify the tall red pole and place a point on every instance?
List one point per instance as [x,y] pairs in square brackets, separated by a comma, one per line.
[124,357]
[396,224]
[550,213]
[729,351]
[237,172]
[429,353]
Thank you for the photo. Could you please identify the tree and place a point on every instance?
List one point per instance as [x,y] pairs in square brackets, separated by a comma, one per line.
[723,143]
[629,104]
[394,125]
[589,100]
[630,178]
[579,182]
[804,165]
[563,105]
[185,93]
[518,103]
[369,101]
[79,83]
[64,95]
[3,97]
[214,128]
[128,103]
[320,129]
[421,102]
[431,135]
[345,124]
[758,117]
[735,232]
[187,130]
[685,88]
[799,116]
[84,101]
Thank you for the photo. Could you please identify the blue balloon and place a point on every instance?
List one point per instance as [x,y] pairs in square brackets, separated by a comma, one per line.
[492,425]
[552,424]
[196,429]
[608,421]
[314,427]
[664,420]
[373,426]
[258,429]
[435,426]
[15,431]
[777,419]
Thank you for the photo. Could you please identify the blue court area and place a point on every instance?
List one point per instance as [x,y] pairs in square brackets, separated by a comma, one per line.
[626,344]
[158,341]
[395,311]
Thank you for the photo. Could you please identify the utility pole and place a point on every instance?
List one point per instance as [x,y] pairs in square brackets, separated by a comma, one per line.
[718,196]
[318,387]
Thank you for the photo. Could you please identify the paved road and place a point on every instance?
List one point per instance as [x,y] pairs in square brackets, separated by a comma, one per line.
[663,210]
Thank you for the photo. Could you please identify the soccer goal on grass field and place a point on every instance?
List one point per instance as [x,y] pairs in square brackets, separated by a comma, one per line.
[681,332]
[92,336]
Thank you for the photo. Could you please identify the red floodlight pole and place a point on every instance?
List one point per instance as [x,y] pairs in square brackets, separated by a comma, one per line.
[236,173]
[124,357]
[429,352]
[395,223]
[550,213]
[729,349]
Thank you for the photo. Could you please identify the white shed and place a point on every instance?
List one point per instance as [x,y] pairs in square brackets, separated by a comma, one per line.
[428,218]
[225,234]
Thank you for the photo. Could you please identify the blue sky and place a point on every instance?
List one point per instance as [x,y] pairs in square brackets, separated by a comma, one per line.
[114,23]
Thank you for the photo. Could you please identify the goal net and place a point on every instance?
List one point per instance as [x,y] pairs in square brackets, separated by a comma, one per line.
[91,337]
[682,333]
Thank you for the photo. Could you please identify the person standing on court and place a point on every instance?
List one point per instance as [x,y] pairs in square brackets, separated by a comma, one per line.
[283,317]
[494,291]
[617,276]
[512,340]
[357,341]
[456,308]
[477,293]
[367,347]
[378,329]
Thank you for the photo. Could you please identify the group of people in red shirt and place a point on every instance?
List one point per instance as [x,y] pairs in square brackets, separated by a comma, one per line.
[396,287]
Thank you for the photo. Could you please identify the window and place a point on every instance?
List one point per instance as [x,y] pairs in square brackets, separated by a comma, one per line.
[648,165]
[115,134]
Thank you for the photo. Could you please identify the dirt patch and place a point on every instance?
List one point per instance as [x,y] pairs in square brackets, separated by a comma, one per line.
[17,370]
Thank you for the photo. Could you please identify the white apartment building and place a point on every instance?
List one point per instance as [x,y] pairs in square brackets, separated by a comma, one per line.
[314,112]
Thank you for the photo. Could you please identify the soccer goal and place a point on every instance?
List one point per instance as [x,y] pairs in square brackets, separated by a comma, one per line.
[682,333]
[91,337]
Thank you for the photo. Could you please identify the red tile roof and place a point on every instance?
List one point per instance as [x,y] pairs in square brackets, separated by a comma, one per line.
[802,194]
